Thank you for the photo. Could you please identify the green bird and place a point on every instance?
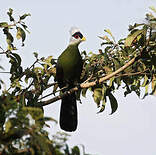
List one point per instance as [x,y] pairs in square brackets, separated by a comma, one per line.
[68,71]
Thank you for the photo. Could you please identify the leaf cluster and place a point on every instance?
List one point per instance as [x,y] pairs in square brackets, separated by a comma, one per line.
[22,122]
[22,116]
[140,43]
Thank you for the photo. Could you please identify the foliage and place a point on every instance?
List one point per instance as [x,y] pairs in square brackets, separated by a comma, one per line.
[22,116]
[22,123]
[139,44]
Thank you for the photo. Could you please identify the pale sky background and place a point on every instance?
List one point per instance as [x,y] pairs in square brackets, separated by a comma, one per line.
[132,129]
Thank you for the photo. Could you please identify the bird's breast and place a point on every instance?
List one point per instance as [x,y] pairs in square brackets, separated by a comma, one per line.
[71,63]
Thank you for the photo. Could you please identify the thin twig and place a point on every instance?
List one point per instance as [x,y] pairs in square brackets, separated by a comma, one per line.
[52,93]
[5,72]
[29,85]
[46,96]
[11,25]
[26,150]
[2,50]
[51,84]
[131,74]
[89,78]
[32,66]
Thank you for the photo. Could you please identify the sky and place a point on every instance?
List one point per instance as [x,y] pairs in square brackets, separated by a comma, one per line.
[131,130]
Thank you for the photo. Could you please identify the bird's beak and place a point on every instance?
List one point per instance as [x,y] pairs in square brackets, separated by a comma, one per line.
[83,39]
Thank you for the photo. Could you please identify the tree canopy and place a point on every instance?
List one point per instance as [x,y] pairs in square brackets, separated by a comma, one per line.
[128,64]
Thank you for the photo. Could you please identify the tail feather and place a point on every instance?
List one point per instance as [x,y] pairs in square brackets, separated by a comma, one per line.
[68,114]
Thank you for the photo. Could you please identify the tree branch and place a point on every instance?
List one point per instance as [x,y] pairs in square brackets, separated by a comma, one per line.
[132,74]
[88,84]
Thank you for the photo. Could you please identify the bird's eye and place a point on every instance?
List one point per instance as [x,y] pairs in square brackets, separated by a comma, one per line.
[76,36]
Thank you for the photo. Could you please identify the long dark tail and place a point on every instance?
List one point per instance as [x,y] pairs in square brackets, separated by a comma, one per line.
[68,114]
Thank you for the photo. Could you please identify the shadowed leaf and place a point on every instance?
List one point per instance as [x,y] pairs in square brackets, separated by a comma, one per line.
[113,103]
[129,40]
[24,16]
[97,95]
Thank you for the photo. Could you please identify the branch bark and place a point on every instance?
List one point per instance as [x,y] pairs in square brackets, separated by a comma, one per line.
[88,84]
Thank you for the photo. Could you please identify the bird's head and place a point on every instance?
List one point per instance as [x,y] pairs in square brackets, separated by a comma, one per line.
[76,36]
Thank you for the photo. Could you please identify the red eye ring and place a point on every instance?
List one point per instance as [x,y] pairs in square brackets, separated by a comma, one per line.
[76,36]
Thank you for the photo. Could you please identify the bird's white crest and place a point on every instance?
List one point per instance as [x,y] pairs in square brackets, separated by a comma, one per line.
[74,30]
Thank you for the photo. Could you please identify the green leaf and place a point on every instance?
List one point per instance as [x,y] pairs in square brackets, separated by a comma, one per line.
[35,55]
[10,11]
[110,33]
[75,150]
[36,113]
[16,70]
[25,27]
[104,90]
[145,81]
[97,95]
[3,24]
[55,88]
[105,38]
[21,34]
[113,103]
[129,40]
[10,14]
[153,8]
[153,85]
[48,119]
[84,92]
[107,69]
[38,70]
[90,53]
[102,107]
[18,58]
[24,16]
[111,81]
[9,38]
[2,111]
[131,27]
[103,98]
[26,79]
[146,91]
[116,63]
[8,126]
[47,62]
[16,83]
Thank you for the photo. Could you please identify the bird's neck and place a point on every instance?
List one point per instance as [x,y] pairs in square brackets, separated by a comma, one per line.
[72,43]
[73,47]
